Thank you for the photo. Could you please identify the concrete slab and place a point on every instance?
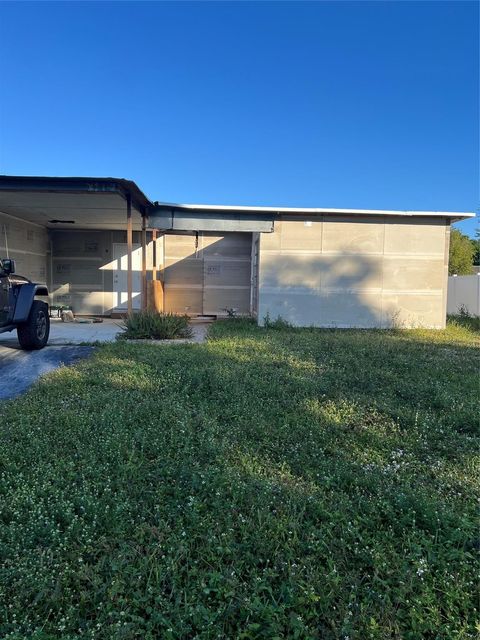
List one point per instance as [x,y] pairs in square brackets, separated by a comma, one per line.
[200,330]
[19,369]
[64,333]
[78,333]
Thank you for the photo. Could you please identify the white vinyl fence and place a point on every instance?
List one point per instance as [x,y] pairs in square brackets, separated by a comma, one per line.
[464,292]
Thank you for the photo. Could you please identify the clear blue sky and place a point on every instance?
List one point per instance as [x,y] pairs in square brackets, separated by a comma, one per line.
[359,105]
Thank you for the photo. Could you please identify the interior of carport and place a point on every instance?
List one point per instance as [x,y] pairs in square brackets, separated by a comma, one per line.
[157,243]
[69,204]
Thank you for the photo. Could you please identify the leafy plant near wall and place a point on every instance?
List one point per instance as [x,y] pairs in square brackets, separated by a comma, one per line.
[231,312]
[157,326]
[465,319]
[278,323]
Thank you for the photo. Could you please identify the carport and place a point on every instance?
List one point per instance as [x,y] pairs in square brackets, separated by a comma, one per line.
[210,245]
[89,204]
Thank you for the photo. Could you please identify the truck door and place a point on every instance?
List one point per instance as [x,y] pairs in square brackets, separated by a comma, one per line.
[4,299]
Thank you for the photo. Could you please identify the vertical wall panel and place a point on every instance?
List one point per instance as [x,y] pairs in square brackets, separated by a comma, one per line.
[80,274]
[207,274]
[27,245]
[83,268]
[183,273]
[227,273]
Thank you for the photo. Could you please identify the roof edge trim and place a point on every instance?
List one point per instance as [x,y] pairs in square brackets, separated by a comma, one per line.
[457,215]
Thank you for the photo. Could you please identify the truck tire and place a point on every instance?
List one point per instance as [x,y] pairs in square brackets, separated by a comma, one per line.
[33,334]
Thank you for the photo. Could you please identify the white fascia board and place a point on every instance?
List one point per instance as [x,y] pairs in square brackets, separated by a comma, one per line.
[457,215]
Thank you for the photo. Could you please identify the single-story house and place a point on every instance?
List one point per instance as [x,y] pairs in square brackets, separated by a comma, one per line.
[98,243]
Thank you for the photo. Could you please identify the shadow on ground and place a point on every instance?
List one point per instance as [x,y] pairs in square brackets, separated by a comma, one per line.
[19,369]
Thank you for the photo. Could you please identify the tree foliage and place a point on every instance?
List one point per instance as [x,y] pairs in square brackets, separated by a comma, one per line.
[461,254]
[476,246]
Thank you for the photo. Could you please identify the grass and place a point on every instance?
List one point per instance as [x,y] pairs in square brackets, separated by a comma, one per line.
[277,483]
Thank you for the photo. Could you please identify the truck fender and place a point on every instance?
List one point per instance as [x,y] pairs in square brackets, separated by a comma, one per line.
[25,298]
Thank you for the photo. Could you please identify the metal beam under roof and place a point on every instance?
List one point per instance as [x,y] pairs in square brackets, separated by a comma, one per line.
[222,221]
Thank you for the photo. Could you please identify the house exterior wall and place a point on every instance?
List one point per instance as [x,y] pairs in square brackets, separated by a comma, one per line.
[82,269]
[354,271]
[330,271]
[27,244]
[78,273]
[207,273]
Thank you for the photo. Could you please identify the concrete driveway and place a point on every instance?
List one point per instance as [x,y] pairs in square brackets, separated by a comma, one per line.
[62,333]
[19,369]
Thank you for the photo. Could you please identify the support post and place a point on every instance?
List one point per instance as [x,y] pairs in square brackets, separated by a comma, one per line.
[144,262]
[154,266]
[155,287]
[129,255]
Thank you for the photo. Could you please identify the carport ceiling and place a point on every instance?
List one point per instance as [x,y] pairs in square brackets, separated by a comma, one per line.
[72,203]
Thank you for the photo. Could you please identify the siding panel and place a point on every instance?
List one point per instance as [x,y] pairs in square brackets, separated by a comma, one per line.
[27,245]
[208,275]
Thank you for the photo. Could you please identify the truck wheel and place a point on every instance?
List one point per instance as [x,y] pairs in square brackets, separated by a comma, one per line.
[33,334]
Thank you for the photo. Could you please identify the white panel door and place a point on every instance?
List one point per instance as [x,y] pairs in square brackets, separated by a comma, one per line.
[120,276]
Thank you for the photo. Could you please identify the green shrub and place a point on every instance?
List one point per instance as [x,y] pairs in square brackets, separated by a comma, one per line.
[153,325]
[279,323]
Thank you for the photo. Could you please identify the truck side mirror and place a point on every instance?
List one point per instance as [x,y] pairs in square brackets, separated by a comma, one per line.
[8,266]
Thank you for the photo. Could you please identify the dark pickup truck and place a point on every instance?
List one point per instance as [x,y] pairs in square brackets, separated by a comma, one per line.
[20,310]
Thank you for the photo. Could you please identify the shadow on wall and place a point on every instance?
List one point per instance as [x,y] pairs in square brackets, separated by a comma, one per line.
[207,274]
[339,291]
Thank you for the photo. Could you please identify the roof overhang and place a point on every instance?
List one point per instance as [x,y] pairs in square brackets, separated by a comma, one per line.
[184,211]
[68,203]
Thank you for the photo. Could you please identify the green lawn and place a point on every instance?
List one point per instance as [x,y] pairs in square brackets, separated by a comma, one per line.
[267,484]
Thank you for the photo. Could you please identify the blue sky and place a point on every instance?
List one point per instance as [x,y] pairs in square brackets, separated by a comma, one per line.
[358,105]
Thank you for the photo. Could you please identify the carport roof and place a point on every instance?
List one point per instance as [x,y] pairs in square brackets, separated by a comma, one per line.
[69,202]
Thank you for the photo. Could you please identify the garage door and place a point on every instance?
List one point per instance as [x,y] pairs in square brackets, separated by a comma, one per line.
[206,274]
